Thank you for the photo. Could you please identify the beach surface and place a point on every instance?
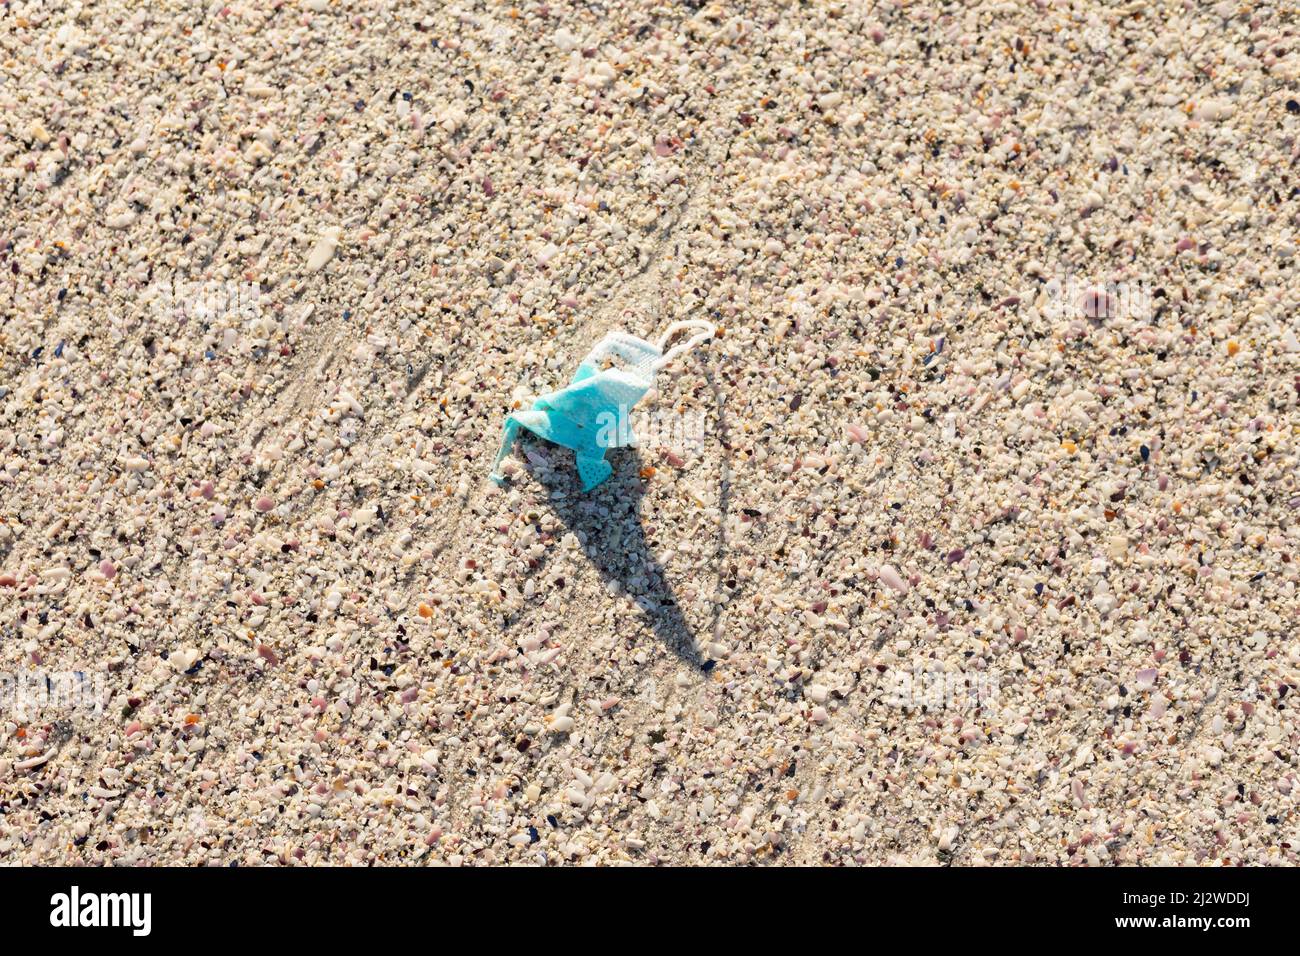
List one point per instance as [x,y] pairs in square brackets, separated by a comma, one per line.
[969,538]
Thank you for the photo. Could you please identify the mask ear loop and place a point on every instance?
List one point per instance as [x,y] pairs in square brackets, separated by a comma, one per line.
[707,331]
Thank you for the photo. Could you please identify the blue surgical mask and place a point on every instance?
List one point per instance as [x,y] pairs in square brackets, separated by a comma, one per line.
[590,415]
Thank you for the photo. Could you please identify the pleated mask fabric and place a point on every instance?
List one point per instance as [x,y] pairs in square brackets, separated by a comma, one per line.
[591,414]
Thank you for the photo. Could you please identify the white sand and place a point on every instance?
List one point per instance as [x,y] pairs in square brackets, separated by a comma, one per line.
[971,539]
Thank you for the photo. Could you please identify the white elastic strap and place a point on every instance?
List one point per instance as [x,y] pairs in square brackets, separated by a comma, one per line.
[707,331]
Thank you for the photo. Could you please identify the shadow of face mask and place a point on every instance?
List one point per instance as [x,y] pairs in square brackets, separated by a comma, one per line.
[590,415]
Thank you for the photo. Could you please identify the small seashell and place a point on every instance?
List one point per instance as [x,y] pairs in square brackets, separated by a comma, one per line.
[324,249]
[891,577]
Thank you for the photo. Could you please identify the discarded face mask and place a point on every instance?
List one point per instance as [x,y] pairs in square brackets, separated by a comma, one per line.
[590,414]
